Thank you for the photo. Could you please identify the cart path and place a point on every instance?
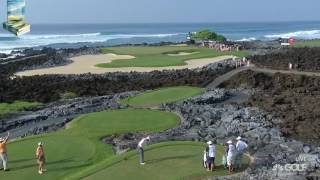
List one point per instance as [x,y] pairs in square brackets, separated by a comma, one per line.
[230,74]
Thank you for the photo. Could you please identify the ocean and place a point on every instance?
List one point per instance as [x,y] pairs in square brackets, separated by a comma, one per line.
[73,35]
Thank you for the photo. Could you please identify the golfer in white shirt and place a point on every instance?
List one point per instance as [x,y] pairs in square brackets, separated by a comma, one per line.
[141,146]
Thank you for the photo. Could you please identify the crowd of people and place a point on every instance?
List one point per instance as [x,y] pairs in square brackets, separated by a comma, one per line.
[40,156]
[233,157]
[221,46]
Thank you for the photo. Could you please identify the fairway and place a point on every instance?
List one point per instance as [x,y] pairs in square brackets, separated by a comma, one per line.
[170,160]
[161,96]
[11,108]
[162,56]
[79,147]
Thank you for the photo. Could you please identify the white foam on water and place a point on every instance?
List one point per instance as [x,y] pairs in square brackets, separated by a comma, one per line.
[9,42]
[311,34]
[247,39]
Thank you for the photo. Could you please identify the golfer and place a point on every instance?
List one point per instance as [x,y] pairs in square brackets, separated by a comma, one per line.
[230,155]
[141,146]
[3,153]
[211,151]
[40,158]
[241,147]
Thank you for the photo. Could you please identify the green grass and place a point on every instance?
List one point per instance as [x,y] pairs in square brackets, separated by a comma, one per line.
[164,95]
[158,56]
[11,108]
[169,160]
[78,148]
[307,43]
[78,153]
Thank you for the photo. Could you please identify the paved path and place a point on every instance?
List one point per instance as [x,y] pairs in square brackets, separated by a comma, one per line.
[232,73]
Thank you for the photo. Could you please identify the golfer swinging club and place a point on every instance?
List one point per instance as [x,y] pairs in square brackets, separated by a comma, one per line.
[141,145]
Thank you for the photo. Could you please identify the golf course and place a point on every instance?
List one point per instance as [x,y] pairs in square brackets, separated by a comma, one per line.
[139,59]
[78,153]
[162,56]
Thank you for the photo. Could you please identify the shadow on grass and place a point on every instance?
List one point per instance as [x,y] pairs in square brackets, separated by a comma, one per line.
[21,160]
[35,164]
[153,161]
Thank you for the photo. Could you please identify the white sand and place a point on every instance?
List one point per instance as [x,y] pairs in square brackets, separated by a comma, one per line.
[183,53]
[86,64]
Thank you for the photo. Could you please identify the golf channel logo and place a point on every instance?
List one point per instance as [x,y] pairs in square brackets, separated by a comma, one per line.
[303,161]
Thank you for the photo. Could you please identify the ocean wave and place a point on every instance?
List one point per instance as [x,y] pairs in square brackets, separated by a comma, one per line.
[9,42]
[247,39]
[53,36]
[311,34]
[93,35]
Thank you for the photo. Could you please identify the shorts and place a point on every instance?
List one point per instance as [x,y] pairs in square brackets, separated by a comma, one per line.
[41,159]
[229,160]
[210,160]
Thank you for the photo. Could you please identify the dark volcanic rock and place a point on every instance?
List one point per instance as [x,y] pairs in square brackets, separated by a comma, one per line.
[302,59]
[293,99]
[37,88]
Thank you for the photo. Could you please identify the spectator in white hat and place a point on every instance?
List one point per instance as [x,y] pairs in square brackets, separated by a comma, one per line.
[241,147]
[211,152]
[230,155]
[141,146]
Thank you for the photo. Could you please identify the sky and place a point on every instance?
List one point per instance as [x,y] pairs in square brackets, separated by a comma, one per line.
[167,11]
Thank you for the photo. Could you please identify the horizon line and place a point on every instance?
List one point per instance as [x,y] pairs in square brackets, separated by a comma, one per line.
[220,22]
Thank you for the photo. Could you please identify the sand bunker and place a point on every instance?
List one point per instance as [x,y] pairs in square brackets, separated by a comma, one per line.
[183,53]
[86,64]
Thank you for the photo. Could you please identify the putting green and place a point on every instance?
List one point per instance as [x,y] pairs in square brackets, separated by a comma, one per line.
[164,95]
[79,147]
[158,56]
